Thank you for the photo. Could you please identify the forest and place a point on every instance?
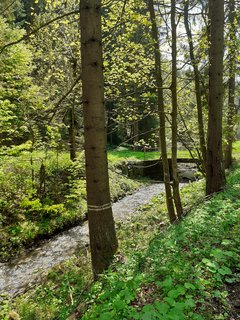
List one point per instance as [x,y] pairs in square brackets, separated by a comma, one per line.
[119,159]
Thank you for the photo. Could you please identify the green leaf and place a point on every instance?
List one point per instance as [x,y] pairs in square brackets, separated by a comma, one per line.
[149,312]
[224,271]
[167,282]
[170,301]
[119,304]
[162,307]
[190,303]
[189,285]
[230,280]
[226,242]
[212,265]
[218,254]
[217,294]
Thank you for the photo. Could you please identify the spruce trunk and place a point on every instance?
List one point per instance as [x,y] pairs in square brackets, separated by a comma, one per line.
[72,134]
[103,241]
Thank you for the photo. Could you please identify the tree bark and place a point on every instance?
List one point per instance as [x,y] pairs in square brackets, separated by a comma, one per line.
[72,134]
[72,119]
[103,241]
[231,83]
[215,176]
[176,193]
[201,132]
[161,114]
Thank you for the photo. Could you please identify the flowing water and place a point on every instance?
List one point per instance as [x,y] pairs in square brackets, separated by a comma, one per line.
[24,272]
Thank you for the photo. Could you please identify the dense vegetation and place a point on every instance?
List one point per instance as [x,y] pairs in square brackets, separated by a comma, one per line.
[26,218]
[161,272]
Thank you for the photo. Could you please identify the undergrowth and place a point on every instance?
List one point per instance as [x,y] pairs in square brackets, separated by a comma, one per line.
[56,297]
[31,210]
[184,272]
[179,272]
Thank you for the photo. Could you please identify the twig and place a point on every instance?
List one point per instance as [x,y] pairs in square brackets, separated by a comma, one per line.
[26,36]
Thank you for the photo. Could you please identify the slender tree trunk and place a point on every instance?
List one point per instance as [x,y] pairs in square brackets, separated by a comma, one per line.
[215,176]
[72,134]
[231,83]
[197,87]
[135,135]
[103,239]
[161,113]
[72,119]
[176,193]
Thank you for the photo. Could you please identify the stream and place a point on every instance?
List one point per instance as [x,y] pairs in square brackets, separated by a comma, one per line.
[24,272]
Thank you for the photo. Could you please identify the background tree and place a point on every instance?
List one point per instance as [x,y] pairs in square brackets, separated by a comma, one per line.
[161,113]
[176,193]
[215,176]
[128,73]
[197,81]
[232,52]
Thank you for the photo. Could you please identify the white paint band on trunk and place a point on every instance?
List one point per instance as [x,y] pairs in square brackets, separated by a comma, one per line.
[100,208]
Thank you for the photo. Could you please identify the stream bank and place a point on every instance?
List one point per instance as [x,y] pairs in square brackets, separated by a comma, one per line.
[26,271]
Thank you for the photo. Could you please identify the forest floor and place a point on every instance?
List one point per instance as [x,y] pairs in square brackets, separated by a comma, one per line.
[190,270]
[121,153]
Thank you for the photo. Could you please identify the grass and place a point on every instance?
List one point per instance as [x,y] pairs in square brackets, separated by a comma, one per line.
[179,272]
[236,149]
[69,285]
[183,272]
[126,154]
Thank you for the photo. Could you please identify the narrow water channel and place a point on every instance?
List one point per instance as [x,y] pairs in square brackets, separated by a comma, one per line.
[25,271]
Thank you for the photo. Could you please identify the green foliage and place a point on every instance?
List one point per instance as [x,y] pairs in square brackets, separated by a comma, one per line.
[35,210]
[28,213]
[181,269]
[127,154]
[161,272]
[5,308]
[20,98]
[60,293]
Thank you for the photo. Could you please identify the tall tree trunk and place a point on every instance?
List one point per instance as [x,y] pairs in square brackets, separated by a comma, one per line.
[72,118]
[197,87]
[103,239]
[231,83]
[215,176]
[72,134]
[176,193]
[161,113]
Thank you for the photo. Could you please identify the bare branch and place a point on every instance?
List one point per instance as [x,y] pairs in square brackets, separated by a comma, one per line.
[26,36]
[9,6]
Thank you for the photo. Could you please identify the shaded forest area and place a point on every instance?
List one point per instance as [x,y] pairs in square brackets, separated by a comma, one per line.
[88,88]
